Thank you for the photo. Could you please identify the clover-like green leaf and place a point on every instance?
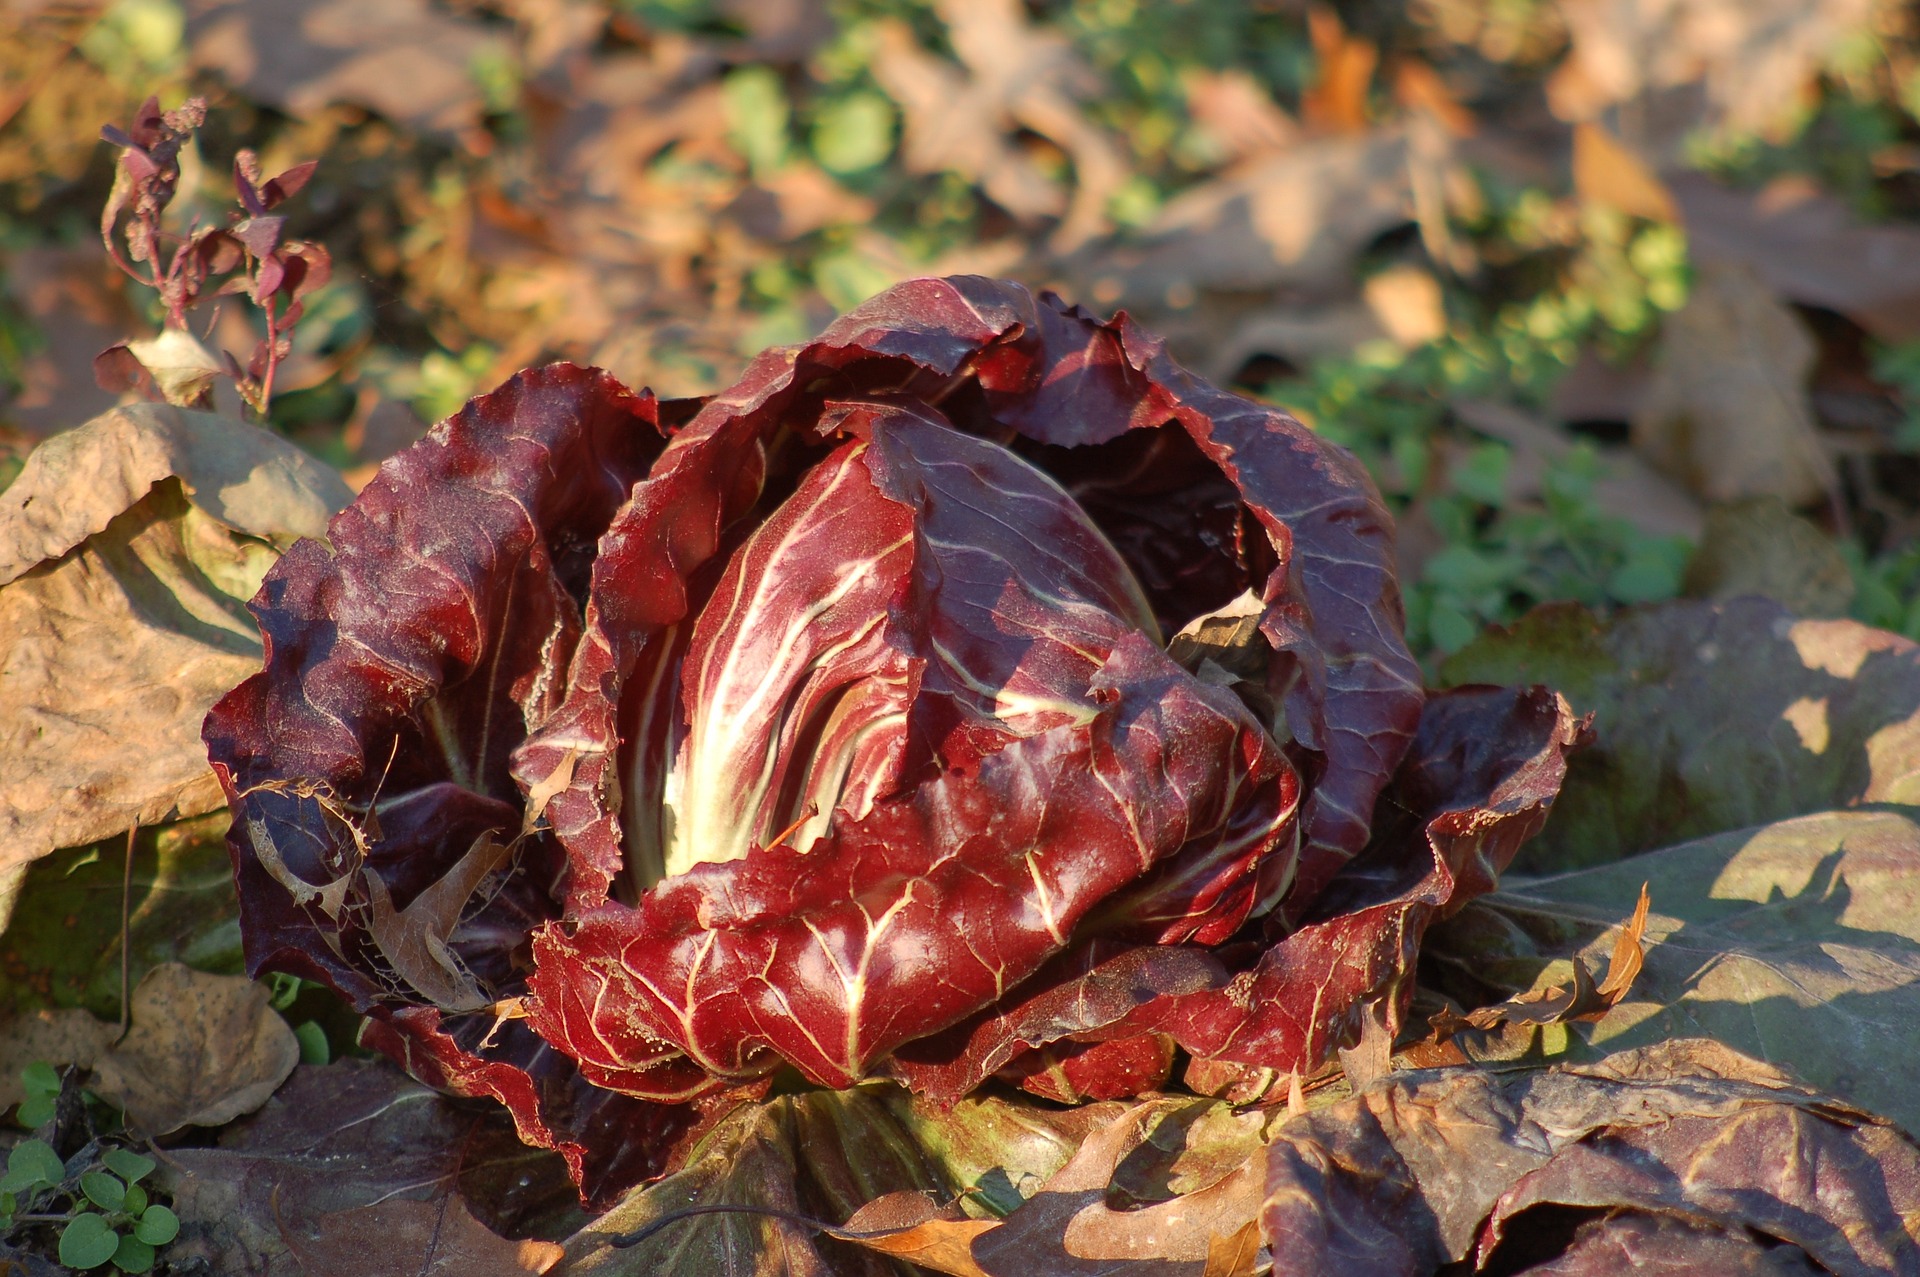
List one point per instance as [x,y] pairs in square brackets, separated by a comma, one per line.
[34,1111]
[131,1255]
[40,1078]
[32,1164]
[128,1165]
[104,1190]
[88,1241]
[157,1226]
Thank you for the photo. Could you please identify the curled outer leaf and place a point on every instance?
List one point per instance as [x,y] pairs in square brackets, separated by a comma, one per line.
[405,657]
[1479,781]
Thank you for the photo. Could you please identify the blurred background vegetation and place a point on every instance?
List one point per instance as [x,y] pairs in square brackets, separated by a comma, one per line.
[1618,299]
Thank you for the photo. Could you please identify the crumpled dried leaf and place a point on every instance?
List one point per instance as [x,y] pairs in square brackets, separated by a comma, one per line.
[127,548]
[1797,943]
[1295,220]
[55,1037]
[911,1226]
[1809,247]
[405,59]
[1751,61]
[1013,75]
[402,1238]
[203,1050]
[1710,717]
[1582,1000]
[414,940]
[250,480]
[176,363]
[1728,413]
[334,1139]
[1762,547]
[1441,1166]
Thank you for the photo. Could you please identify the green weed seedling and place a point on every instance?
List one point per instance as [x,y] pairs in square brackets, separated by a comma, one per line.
[95,1201]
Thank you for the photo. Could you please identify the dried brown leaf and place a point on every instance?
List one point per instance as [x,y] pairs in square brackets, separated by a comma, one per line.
[56,1037]
[1742,65]
[112,656]
[127,548]
[1728,412]
[912,1227]
[414,940]
[401,1238]
[1606,172]
[1336,102]
[203,1050]
[1295,220]
[1012,74]
[1762,547]
[1235,113]
[75,484]
[404,59]
[1442,1166]
[1809,247]
[1235,1255]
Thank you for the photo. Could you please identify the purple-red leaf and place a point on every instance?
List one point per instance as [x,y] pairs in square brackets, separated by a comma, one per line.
[405,658]
[288,184]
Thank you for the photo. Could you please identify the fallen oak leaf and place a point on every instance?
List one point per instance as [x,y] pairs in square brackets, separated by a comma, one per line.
[415,939]
[203,1050]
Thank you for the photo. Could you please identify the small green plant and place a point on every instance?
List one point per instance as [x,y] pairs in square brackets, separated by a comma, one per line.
[95,1202]
[286,989]
[41,1082]
[1497,554]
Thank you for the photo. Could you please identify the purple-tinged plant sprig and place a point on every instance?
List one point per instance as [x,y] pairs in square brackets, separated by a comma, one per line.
[252,253]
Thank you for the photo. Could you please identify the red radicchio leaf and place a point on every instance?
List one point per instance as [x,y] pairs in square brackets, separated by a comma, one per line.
[1069,386]
[1479,781]
[404,661]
